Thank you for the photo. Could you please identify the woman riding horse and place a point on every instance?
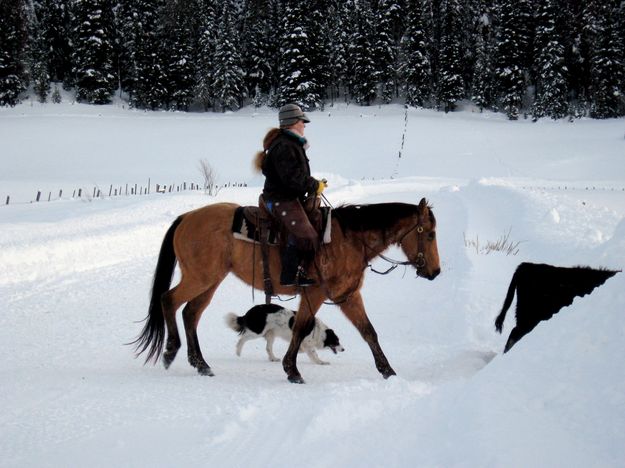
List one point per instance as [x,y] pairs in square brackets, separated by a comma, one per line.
[287,184]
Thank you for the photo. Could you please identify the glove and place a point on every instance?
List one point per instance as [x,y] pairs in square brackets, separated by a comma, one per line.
[322,185]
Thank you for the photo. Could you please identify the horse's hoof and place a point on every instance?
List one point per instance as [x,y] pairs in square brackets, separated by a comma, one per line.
[296,379]
[388,373]
[167,360]
[205,371]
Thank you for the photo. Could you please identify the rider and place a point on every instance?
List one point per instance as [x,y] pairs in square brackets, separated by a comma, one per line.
[288,183]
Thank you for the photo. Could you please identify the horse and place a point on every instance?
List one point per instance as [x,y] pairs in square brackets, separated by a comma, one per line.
[202,244]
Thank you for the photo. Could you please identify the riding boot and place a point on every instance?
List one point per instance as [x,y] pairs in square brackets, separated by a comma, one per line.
[290,262]
[293,274]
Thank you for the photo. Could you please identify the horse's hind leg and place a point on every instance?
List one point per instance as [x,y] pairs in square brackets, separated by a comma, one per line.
[191,316]
[354,310]
[171,302]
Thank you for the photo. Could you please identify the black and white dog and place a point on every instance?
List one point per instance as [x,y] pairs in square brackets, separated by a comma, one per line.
[271,321]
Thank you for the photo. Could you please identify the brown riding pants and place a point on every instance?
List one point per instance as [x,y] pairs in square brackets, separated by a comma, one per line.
[293,219]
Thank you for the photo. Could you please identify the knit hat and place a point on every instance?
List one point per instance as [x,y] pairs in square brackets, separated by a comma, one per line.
[289,114]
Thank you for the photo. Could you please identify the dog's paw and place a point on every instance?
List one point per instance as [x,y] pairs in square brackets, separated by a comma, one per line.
[323,363]
[274,359]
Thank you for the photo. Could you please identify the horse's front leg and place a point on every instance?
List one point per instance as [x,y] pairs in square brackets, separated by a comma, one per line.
[311,300]
[354,310]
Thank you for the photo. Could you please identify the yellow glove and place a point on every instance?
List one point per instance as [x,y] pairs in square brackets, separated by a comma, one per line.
[322,185]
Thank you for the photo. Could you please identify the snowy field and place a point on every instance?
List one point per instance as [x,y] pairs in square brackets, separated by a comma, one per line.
[75,278]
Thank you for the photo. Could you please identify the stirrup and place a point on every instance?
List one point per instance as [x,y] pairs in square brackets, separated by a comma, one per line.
[302,280]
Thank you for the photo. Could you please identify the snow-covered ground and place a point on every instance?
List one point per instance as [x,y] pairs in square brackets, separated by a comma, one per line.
[75,278]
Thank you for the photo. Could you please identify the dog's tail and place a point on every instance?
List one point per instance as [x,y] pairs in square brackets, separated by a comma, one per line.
[235,322]
[506,304]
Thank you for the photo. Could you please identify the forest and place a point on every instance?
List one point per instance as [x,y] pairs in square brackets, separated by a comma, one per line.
[525,58]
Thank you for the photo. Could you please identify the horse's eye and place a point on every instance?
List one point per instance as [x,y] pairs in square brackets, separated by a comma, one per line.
[432,235]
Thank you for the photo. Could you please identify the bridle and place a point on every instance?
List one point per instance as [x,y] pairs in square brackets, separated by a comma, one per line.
[420,261]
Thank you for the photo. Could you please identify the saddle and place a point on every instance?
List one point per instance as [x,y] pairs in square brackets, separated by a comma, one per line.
[252,222]
[255,224]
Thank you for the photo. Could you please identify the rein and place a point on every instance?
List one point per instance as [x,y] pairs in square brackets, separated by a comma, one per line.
[419,263]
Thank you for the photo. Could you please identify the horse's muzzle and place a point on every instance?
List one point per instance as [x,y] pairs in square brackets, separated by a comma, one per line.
[429,276]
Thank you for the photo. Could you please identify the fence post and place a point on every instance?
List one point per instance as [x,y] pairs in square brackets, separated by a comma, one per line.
[149,184]
[110,190]
[60,194]
[38,194]
[8,198]
[79,192]
[49,195]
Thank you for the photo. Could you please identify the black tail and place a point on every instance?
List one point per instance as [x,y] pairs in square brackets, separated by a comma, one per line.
[506,304]
[152,336]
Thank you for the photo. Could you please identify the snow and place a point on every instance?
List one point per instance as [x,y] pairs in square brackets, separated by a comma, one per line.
[75,276]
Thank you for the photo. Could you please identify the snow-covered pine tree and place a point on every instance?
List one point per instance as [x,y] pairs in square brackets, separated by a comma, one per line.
[318,28]
[205,52]
[53,30]
[415,64]
[150,79]
[388,14]
[450,87]
[606,69]
[551,72]
[296,81]
[258,50]
[341,60]
[511,46]
[228,78]
[13,40]
[482,83]
[180,58]
[127,30]
[364,79]
[39,62]
[92,55]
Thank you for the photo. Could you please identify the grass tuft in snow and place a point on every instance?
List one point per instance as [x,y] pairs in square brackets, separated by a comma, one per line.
[503,244]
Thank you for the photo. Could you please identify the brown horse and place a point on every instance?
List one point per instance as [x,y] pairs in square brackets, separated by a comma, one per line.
[202,243]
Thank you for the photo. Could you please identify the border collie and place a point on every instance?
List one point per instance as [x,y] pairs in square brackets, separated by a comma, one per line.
[271,321]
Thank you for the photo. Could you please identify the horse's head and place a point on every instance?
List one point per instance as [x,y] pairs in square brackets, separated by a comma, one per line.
[419,243]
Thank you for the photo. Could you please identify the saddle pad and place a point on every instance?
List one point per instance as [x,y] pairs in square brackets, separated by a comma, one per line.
[245,229]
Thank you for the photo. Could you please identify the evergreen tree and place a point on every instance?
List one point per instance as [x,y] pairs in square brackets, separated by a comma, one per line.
[551,82]
[150,79]
[340,57]
[606,69]
[386,47]
[39,63]
[228,84]
[257,50]
[512,43]
[364,77]
[297,84]
[13,37]
[318,29]
[179,61]
[205,52]
[482,84]
[415,64]
[450,82]
[51,40]
[92,56]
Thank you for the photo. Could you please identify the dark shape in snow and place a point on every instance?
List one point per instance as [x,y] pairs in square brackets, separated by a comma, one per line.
[542,290]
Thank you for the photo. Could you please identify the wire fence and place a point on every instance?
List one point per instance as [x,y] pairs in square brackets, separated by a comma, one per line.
[114,190]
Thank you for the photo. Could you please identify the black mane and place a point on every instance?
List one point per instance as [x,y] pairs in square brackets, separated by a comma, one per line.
[373,217]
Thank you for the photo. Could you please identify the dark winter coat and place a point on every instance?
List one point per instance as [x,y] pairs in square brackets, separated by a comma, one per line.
[286,169]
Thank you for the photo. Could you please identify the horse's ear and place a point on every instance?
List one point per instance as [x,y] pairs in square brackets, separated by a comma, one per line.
[423,204]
